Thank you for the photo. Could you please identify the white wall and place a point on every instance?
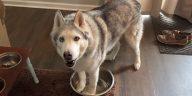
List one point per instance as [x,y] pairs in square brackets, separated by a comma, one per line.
[4,40]
[146,5]
[169,6]
[184,9]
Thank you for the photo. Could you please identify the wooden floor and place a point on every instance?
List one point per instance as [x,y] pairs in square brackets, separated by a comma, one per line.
[160,74]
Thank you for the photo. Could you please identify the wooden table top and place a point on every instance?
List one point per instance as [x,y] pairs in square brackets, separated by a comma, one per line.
[10,75]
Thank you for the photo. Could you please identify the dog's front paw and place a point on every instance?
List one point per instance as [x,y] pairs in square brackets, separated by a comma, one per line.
[137,65]
[89,91]
[80,87]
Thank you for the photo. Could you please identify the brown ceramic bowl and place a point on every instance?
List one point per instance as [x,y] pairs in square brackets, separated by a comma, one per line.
[105,83]
[9,60]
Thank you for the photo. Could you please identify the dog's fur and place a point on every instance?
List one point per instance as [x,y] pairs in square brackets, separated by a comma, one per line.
[98,31]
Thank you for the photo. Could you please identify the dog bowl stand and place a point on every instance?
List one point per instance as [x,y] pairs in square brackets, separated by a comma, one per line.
[10,75]
[32,71]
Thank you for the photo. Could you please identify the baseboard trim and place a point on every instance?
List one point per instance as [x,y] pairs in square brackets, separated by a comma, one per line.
[56,5]
[50,5]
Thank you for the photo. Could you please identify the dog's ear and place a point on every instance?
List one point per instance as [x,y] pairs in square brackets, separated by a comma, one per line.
[79,20]
[58,22]
[59,19]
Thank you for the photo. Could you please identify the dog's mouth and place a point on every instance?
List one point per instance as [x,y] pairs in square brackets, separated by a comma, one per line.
[70,63]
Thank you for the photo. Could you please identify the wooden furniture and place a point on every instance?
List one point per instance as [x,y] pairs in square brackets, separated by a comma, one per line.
[9,75]
[4,41]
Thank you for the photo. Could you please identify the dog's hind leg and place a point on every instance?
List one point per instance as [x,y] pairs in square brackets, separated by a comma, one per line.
[82,81]
[113,53]
[133,37]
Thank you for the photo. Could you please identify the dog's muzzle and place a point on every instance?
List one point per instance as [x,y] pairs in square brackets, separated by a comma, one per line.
[68,58]
[70,63]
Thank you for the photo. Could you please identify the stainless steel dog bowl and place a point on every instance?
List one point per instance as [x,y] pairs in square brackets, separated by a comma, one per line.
[2,84]
[9,60]
[105,83]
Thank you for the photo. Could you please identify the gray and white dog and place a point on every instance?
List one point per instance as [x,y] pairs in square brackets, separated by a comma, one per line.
[85,39]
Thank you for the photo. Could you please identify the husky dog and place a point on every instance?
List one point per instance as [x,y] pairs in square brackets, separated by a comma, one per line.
[84,39]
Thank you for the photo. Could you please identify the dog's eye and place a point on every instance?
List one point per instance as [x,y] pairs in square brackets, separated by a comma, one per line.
[61,39]
[76,38]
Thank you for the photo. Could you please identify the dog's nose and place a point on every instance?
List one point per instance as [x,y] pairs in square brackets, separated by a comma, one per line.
[67,55]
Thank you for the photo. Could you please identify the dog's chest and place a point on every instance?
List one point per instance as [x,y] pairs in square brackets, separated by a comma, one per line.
[87,65]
